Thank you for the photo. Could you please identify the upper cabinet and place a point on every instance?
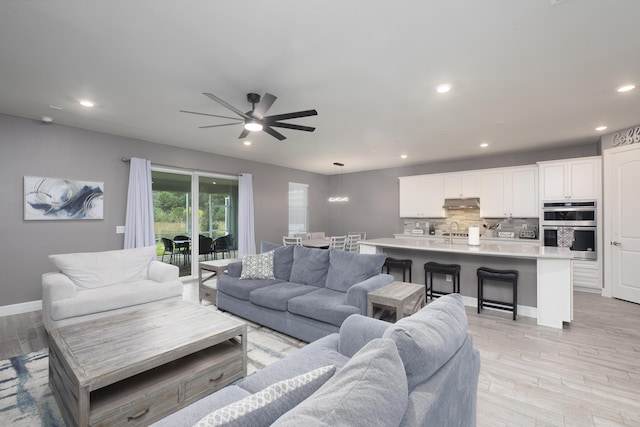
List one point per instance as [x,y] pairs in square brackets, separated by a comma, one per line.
[570,179]
[421,196]
[461,185]
[508,192]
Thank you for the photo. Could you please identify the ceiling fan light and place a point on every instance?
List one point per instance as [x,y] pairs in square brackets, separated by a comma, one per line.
[253,126]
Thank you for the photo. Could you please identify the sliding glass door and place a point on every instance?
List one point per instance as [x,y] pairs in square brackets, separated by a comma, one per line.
[189,209]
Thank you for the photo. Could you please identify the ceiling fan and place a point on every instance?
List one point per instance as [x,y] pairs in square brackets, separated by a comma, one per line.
[255,120]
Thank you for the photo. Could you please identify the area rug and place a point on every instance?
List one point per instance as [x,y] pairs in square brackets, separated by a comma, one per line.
[26,399]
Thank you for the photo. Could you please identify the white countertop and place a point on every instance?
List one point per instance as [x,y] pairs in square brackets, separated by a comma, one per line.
[465,239]
[509,249]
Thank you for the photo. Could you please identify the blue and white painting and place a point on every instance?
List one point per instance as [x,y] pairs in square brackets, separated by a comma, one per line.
[58,198]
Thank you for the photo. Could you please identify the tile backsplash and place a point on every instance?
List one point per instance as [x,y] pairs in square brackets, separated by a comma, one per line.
[467,218]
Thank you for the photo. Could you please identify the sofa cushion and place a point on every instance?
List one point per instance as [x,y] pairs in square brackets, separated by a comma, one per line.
[241,289]
[90,301]
[324,305]
[264,407]
[427,339]
[348,268]
[310,266]
[282,259]
[259,266]
[276,296]
[97,269]
[371,390]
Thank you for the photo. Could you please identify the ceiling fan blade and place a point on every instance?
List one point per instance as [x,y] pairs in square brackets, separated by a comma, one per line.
[217,126]
[278,117]
[274,133]
[243,134]
[292,126]
[226,104]
[210,115]
[265,103]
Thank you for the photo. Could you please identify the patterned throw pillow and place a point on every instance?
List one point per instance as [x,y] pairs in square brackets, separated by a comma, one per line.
[258,266]
[266,406]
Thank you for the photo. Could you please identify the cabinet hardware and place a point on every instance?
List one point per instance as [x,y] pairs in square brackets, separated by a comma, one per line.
[614,243]
[138,415]
[218,378]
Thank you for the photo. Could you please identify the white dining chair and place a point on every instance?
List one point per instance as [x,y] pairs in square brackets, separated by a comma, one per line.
[291,241]
[362,234]
[302,235]
[353,243]
[317,235]
[338,242]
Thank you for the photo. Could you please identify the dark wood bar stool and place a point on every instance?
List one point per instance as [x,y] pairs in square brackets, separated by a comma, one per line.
[510,276]
[404,264]
[431,268]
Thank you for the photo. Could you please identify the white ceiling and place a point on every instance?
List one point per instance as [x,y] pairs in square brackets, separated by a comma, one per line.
[525,74]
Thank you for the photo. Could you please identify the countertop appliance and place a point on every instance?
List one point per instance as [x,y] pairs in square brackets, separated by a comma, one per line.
[571,224]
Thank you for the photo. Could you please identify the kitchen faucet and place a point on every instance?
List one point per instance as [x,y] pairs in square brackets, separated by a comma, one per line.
[451,231]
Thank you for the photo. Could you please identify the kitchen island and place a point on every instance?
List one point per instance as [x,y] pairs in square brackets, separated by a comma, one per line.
[544,287]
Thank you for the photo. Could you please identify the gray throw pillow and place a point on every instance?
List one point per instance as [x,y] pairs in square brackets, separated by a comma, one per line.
[370,390]
[282,259]
[348,268]
[429,338]
[310,266]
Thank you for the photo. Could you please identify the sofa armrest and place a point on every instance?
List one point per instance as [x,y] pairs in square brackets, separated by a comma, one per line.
[162,272]
[358,330]
[358,293]
[234,269]
[57,286]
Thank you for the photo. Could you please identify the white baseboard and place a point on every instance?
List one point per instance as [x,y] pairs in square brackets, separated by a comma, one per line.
[23,307]
[523,310]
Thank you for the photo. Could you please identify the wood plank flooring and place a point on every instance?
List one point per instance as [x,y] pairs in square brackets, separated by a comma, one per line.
[587,374]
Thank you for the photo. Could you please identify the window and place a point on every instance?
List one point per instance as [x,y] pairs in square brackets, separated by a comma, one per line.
[298,207]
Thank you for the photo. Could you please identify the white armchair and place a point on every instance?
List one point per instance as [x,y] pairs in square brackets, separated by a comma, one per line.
[96,284]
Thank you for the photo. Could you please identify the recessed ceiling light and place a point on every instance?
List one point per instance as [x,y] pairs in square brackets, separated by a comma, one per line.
[87,103]
[626,88]
[484,145]
[247,142]
[600,128]
[404,156]
[443,88]
[54,107]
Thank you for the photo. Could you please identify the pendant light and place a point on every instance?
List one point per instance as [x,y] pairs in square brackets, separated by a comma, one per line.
[338,198]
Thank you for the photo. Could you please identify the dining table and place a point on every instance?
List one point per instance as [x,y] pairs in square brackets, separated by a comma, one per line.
[317,243]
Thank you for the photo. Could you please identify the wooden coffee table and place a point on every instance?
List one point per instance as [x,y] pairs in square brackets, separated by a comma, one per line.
[403,298]
[137,367]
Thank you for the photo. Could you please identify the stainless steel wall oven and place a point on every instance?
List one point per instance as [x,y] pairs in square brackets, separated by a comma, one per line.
[571,224]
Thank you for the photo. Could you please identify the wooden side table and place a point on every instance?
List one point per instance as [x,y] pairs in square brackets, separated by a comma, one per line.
[403,298]
[217,268]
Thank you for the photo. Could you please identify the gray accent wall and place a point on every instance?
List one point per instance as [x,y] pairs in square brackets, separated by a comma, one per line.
[32,148]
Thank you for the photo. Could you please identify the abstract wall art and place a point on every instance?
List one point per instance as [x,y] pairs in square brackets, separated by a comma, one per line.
[58,198]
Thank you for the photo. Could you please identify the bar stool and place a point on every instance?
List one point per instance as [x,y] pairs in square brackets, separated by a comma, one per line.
[404,264]
[434,267]
[510,276]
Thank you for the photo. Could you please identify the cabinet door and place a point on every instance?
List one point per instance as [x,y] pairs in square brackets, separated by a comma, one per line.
[433,196]
[523,192]
[421,196]
[583,179]
[492,192]
[552,181]
[461,185]
[411,196]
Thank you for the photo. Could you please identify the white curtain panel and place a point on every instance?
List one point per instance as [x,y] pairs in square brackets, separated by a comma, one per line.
[139,220]
[246,234]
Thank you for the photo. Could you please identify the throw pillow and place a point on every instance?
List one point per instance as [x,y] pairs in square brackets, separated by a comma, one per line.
[264,407]
[430,337]
[348,268]
[258,266]
[310,266]
[98,269]
[370,390]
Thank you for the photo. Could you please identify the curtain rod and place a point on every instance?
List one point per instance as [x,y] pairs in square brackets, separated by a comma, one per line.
[128,160]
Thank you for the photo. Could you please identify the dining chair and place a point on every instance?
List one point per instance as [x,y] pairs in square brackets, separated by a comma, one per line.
[317,235]
[291,241]
[169,249]
[205,246]
[362,234]
[353,243]
[183,246]
[338,242]
[222,245]
[302,235]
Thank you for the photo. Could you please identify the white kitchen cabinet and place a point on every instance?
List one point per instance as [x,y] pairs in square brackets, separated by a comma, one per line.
[508,192]
[458,185]
[586,274]
[570,179]
[422,196]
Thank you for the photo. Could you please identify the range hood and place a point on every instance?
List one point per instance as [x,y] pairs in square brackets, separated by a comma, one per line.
[465,203]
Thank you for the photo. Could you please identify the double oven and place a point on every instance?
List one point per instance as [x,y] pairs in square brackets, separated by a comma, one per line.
[571,224]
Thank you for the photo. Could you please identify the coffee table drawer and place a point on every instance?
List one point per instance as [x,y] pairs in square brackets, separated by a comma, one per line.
[141,412]
[215,378]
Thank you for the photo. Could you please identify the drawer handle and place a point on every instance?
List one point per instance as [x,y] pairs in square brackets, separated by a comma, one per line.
[218,378]
[138,415]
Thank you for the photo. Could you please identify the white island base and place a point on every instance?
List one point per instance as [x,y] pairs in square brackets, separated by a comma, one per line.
[554,290]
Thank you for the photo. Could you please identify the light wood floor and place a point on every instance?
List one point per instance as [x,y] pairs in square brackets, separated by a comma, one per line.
[587,374]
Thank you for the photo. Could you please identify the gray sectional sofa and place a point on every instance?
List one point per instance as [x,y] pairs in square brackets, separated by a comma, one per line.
[311,292]
[422,370]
